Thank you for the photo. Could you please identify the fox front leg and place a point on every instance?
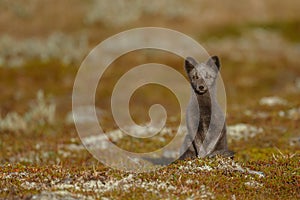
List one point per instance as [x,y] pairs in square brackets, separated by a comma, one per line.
[189,148]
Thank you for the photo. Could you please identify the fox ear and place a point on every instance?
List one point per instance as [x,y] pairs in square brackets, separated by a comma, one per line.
[214,61]
[189,64]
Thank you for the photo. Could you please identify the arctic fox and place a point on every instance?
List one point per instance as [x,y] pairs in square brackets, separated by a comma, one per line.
[206,126]
[205,120]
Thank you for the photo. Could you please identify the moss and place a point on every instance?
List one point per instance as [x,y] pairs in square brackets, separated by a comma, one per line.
[38,154]
[289,29]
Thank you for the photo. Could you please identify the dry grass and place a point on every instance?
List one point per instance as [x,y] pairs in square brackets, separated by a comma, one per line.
[258,42]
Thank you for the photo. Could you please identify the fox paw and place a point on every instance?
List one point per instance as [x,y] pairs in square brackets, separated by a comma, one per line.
[222,153]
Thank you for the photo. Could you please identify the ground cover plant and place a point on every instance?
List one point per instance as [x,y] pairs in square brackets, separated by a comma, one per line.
[41,47]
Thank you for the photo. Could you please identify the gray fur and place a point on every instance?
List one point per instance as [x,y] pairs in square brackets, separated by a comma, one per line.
[206,125]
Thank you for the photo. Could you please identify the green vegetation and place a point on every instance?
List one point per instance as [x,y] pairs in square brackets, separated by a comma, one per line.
[42,156]
[289,29]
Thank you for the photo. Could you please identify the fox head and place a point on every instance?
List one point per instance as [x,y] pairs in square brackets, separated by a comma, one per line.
[202,76]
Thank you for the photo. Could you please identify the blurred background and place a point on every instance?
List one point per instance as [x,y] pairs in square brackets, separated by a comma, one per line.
[42,43]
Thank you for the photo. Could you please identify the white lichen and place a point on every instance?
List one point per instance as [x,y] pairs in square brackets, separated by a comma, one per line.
[293,113]
[116,14]
[253,184]
[231,165]
[125,184]
[295,141]
[255,45]
[13,122]
[29,185]
[259,114]
[40,113]
[60,194]
[272,101]
[58,46]
[83,114]
[242,131]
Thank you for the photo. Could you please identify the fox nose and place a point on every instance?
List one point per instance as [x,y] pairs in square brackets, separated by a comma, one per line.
[201,87]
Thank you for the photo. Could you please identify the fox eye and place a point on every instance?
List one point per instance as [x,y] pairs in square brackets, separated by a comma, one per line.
[195,76]
[208,75]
